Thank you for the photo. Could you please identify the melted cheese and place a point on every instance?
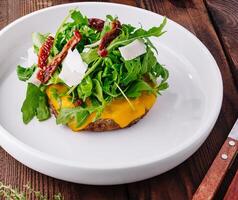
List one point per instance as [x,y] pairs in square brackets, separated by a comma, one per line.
[53,92]
[118,110]
[73,123]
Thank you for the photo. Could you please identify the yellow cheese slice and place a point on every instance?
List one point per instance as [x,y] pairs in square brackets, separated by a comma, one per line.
[118,110]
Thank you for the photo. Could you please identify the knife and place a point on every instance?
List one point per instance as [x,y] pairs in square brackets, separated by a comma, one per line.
[219,167]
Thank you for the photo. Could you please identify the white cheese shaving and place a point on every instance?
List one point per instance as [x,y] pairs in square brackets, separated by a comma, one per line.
[33,79]
[32,57]
[133,50]
[73,68]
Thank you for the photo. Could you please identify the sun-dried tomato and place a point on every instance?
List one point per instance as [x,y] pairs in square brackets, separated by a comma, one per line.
[78,102]
[44,52]
[103,52]
[45,74]
[108,37]
[96,23]
[40,75]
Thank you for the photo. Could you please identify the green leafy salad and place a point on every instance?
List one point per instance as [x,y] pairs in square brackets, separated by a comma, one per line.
[88,64]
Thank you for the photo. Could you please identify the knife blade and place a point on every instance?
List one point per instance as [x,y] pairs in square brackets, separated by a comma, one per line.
[234,131]
[216,173]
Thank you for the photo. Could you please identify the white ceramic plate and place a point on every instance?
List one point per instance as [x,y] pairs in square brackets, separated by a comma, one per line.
[173,130]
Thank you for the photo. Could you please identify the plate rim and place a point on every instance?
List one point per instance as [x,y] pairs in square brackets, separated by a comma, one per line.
[204,130]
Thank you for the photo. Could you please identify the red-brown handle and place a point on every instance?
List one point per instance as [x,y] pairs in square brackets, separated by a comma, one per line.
[232,192]
[217,171]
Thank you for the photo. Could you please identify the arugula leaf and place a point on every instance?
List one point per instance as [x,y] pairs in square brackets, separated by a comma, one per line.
[150,44]
[133,68]
[30,104]
[81,117]
[67,28]
[25,73]
[56,96]
[148,62]
[67,114]
[164,74]
[38,39]
[58,35]
[159,70]
[110,89]
[139,33]
[129,28]
[111,18]
[108,77]
[55,78]
[90,56]
[154,31]
[90,35]
[109,69]
[99,77]
[122,39]
[124,95]
[95,64]
[162,86]
[98,90]
[136,88]
[107,25]
[79,114]
[35,104]
[78,18]
[42,111]
[84,89]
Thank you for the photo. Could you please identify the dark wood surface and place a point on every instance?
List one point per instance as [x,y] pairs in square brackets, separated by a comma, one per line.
[215,23]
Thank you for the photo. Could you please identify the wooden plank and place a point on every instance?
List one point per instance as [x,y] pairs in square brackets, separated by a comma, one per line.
[225,19]
[179,183]
[224,15]
[3,13]
[14,173]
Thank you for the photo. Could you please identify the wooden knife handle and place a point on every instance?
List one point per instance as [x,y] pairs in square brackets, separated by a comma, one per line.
[232,192]
[217,171]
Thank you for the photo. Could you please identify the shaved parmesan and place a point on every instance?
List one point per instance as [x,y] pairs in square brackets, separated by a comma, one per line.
[32,57]
[133,50]
[33,79]
[73,68]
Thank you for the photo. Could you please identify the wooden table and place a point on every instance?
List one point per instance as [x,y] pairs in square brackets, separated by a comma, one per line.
[215,23]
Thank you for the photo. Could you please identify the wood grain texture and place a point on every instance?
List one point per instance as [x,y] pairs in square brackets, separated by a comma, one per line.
[180,182]
[225,18]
